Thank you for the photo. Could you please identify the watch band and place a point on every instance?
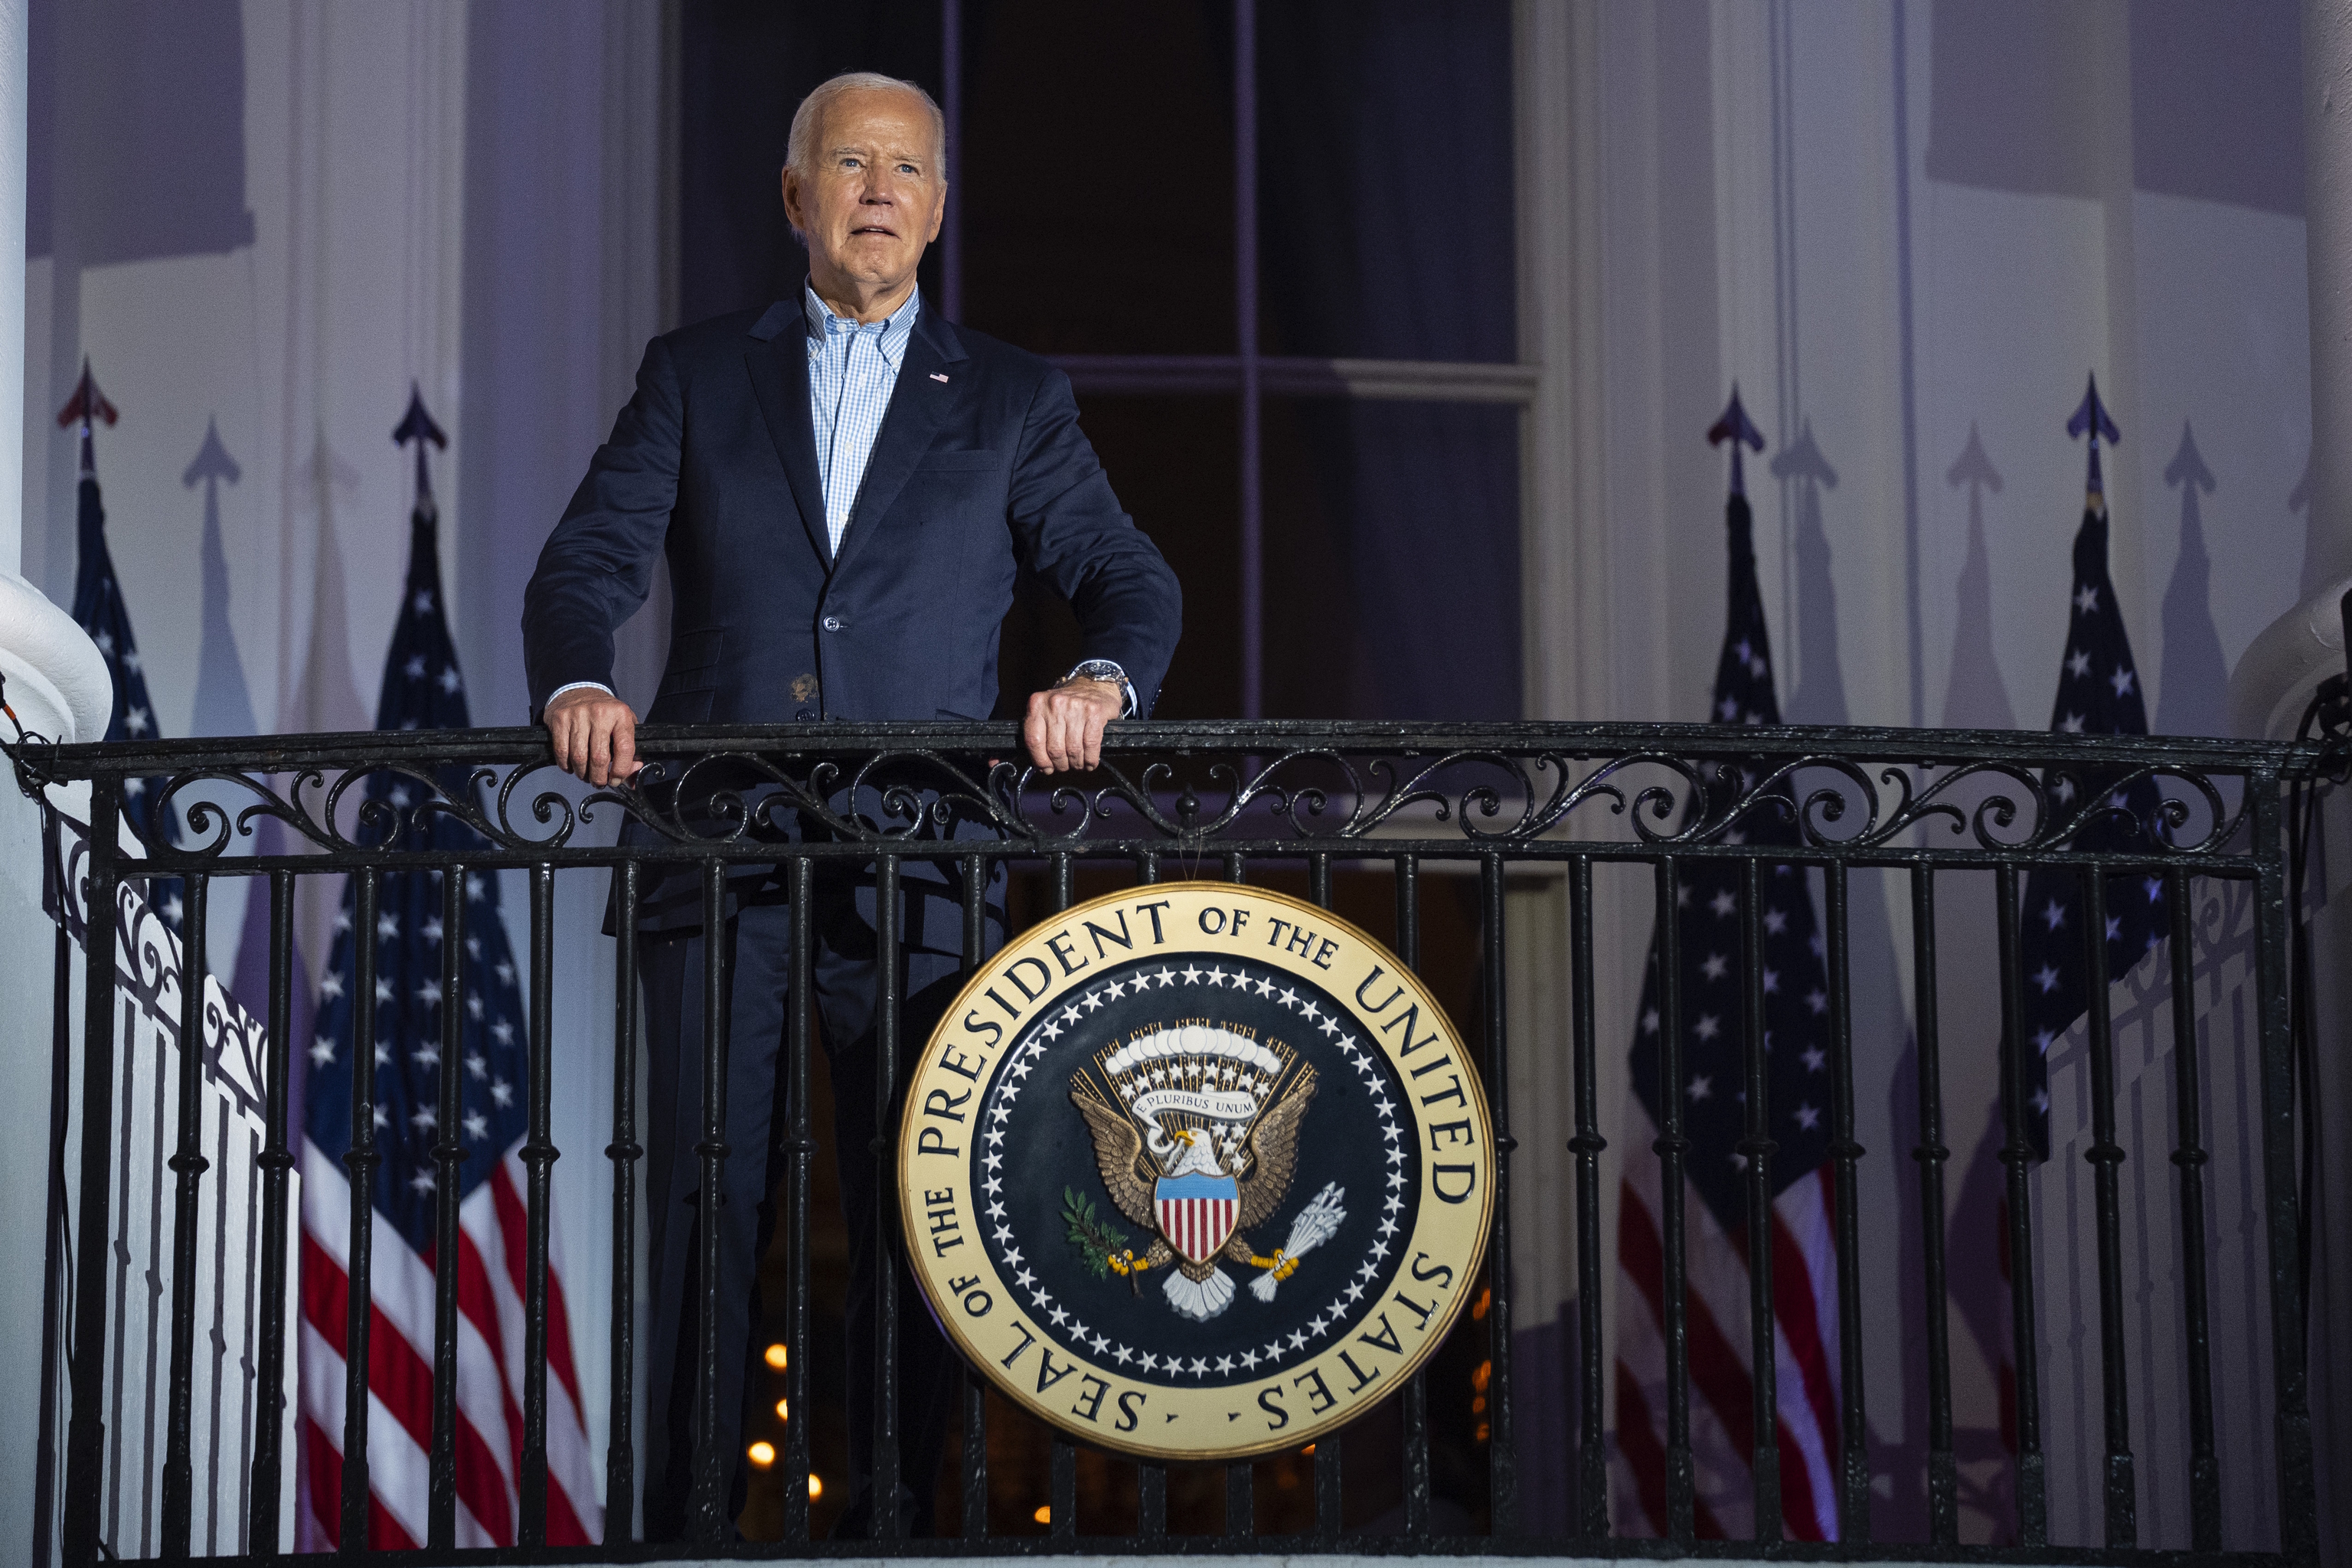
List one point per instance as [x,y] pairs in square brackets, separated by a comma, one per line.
[1102,670]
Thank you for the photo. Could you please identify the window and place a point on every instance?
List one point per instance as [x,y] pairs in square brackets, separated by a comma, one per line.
[1272,248]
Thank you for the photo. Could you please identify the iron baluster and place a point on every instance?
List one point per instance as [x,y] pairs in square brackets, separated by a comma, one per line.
[1062,1485]
[976,874]
[56,1230]
[538,1156]
[360,1162]
[1672,1147]
[1853,1428]
[2105,1155]
[1241,1504]
[269,1462]
[800,1043]
[1150,1479]
[85,1429]
[449,1157]
[1062,1459]
[1415,1402]
[624,1152]
[889,1525]
[1329,1505]
[1151,1502]
[1943,1465]
[188,1165]
[1755,1162]
[1592,1449]
[2290,1361]
[2188,1155]
[706,1521]
[2017,1152]
[1502,1454]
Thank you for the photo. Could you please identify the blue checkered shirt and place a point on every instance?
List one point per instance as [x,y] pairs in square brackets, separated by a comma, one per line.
[852,368]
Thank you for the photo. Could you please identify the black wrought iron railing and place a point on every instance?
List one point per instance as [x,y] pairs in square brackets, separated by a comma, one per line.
[2137,1287]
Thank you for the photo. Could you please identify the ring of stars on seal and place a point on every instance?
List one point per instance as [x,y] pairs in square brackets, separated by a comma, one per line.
[1196,1170]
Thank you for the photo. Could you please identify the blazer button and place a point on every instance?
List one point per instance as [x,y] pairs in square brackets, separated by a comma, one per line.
[833,623]
[807,716]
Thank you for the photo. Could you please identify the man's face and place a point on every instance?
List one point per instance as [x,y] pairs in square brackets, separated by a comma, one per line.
[874,197]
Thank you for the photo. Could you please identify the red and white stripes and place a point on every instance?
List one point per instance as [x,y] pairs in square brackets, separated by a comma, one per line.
[490,1326]
[1197,1227]
[1722,1395]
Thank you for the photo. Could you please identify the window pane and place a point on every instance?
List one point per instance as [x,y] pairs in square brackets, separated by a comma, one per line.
[1175,463]
[1096,176]
[1391,559]
[743,71]
[1385,184]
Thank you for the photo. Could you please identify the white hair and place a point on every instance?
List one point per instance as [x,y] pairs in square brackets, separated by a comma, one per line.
[799,154]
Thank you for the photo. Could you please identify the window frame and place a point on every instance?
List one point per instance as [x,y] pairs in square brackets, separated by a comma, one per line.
[1248,371]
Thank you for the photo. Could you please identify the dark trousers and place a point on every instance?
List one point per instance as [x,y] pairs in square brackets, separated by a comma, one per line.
[758,1119]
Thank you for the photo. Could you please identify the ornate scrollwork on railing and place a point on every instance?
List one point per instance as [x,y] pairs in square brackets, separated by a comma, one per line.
[733,799]
[148,970]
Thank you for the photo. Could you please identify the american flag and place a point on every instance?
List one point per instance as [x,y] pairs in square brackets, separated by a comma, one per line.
[2098,694]
[1713,1030]
[422,690]
[97,606]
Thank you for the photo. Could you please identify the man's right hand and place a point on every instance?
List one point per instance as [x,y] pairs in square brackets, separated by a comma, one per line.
[595,734]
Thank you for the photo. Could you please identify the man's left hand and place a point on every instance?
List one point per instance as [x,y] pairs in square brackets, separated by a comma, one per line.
[1065,727]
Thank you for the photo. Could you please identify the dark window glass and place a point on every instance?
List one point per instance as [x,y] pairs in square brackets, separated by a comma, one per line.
[744,68]
[1096,176]
[1391,559]
[1385,182]
[1175,463]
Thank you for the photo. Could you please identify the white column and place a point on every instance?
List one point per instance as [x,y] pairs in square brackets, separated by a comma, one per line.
[2273,682]
[23,1043]
[13,52]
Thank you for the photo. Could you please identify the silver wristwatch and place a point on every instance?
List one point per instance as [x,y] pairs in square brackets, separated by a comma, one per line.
[1104,669]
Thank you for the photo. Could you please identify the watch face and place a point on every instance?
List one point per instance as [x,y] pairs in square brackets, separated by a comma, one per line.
[1196,1170]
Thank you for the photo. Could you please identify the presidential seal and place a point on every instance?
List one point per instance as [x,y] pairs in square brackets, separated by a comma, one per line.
[1195,1171]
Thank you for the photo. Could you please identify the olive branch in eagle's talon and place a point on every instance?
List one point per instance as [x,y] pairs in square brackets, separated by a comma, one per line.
[1102,1246]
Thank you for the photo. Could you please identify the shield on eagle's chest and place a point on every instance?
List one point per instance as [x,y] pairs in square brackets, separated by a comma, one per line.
[1196,1213]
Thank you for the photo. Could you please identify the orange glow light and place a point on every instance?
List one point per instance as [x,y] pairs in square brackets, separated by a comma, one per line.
[1477,1405]
[1481,1434]
[783,1409]
[1309,1449]
[816,1485]
[1486,1299]
[778,1357]
[763,1454]
[1044,1516]
[1479,1379]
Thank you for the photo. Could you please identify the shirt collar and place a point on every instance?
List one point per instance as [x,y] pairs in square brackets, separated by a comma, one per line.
[894,327]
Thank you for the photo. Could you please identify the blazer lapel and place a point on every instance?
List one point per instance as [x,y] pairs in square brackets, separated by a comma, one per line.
[918,403]
[779,368]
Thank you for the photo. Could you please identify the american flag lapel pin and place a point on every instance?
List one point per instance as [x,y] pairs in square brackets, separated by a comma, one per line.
[937,377]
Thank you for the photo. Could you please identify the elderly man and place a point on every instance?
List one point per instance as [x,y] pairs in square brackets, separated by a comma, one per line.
[844,485]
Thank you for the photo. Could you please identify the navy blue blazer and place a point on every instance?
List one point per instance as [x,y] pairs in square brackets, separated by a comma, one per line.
[979,468]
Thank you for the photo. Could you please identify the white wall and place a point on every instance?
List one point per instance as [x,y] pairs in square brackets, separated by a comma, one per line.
[1736,208]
